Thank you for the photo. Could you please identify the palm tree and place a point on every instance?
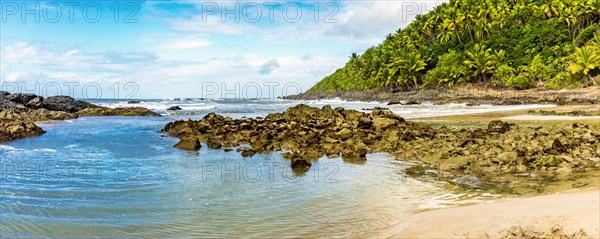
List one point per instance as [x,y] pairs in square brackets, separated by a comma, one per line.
[583,61]
[453,21]
[408,64]
[481,60]
[552,8]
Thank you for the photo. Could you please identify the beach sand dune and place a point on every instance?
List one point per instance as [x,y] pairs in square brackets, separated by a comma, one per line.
[573,211]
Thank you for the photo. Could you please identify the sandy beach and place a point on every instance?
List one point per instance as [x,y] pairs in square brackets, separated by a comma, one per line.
[573,211]
[551,117]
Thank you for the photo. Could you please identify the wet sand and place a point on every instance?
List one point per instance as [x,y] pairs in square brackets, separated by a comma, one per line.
[573,211]
[551,117]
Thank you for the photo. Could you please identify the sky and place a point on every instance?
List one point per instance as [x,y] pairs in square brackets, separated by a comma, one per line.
[187,49]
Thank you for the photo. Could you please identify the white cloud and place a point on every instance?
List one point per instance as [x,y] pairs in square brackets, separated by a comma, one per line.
[158,78]
[268,67]
[186,43]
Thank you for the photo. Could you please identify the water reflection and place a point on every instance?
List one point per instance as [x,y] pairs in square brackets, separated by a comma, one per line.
[167,192]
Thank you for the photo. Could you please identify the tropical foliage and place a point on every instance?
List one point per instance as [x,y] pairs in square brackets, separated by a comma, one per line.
[515,43]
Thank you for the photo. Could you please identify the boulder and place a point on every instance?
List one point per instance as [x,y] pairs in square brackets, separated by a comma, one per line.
[6,104]
[134,102]
[247,152]
[344,134]
[189,143]
[498,126]
[300,163]
[213,144]
[174,108]
[411,102]
[66,103]
[18,129]
[28,100]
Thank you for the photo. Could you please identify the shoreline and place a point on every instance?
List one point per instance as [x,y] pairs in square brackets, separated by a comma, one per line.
[520,116]
[473,95]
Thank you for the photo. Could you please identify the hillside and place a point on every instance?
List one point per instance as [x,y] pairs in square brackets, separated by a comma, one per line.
[518,44]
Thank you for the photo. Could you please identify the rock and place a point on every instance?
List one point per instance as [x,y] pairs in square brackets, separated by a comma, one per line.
[189,143]
[174,108]
[498,126]
[21,98]
[6,104]
[247,152]
[579,185]
[411,102]
[382,123]
[35,103]
[558,146]
[134,102]
[300,163]
[28,100]
[4,93]
[564,168]
[507,157]
[470,181]
[213,144]
[66,103]
[354,155]
[344,134]
[394,103]
[17,129]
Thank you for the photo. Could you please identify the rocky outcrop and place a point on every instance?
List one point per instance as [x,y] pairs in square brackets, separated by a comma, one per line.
[174,108]
[28,100]
[36,115]
[308,133]
[18,112]
[66,103]
[123,111]
[17,129]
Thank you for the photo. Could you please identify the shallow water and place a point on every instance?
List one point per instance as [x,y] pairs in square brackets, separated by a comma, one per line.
[119,177]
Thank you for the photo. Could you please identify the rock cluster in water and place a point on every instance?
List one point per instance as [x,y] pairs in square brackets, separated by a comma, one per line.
[18,112]
[120,111]
[309,133]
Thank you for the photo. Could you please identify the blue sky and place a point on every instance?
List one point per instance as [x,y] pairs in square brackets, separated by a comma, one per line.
[178,48]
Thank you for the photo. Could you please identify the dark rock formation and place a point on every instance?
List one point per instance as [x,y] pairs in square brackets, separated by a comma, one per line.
[66,103]
[29,100]
[19,111]
[174,108]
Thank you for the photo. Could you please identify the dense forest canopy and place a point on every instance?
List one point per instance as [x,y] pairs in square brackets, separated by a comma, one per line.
[516,43]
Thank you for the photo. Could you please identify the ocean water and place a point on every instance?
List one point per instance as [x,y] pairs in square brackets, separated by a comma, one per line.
[115,177]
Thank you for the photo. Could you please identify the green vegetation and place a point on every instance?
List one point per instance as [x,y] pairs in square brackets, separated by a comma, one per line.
[517,43]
